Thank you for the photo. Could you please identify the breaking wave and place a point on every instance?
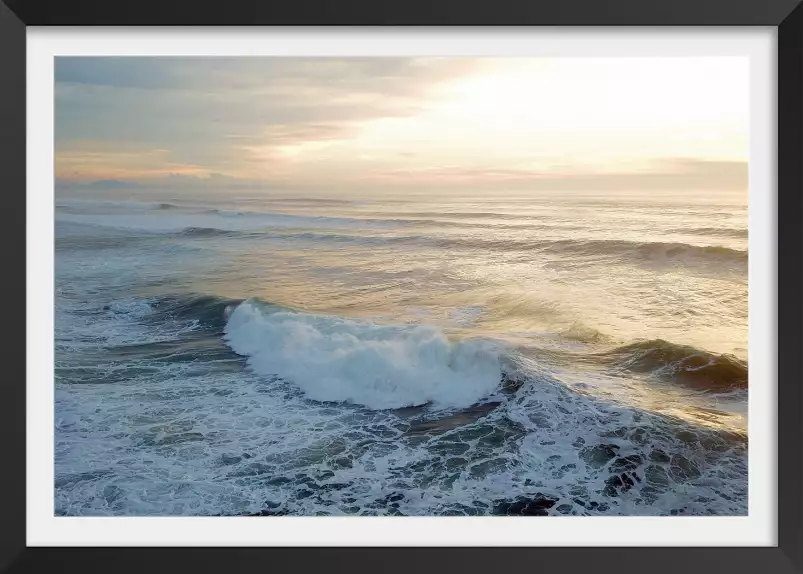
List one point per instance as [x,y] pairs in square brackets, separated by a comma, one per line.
[684,364]
[381,367]
[256,395]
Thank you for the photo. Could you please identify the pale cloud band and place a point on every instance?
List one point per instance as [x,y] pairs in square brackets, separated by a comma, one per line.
[562,123]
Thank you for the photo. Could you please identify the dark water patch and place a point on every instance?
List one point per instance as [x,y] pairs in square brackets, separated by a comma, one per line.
[208,232]
[265,512]
[679,363]
[512,382]
[391,500]
[103,374]
[630,462]
[617,484]
[100,243]
[410,412]
[69,480]
[228,459]
[175,439]
[535,505]
[188,349]
[459,509]
[597,456]
[682,469]
[452,421]
[658,455]
[209,311]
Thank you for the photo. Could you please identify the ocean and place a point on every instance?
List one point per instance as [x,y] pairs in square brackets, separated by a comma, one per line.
[255,352]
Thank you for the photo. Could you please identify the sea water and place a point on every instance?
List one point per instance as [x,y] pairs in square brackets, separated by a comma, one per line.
[233,351]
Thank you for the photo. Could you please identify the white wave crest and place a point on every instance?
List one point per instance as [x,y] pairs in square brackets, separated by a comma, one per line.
[381,367]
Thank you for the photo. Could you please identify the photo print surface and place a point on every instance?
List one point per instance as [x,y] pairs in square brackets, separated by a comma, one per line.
[401,286]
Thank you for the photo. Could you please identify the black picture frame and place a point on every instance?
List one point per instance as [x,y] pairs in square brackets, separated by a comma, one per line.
[786,15]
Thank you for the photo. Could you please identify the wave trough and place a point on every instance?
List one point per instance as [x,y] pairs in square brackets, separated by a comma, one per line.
[681,363]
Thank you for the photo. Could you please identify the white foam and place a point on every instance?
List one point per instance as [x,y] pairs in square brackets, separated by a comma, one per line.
[381,367]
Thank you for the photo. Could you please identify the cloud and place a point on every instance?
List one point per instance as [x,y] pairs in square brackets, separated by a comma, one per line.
[401,121]
[273,74]
[227,113]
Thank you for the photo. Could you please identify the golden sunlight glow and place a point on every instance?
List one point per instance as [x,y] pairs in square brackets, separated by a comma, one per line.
[573,114]
[524,115]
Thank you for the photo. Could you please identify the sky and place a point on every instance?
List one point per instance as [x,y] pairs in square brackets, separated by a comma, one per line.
[554,123]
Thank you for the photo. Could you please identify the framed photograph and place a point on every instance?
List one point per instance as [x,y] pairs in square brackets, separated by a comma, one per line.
[457,284]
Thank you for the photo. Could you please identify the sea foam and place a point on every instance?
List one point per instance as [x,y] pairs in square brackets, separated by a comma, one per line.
[380,367]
